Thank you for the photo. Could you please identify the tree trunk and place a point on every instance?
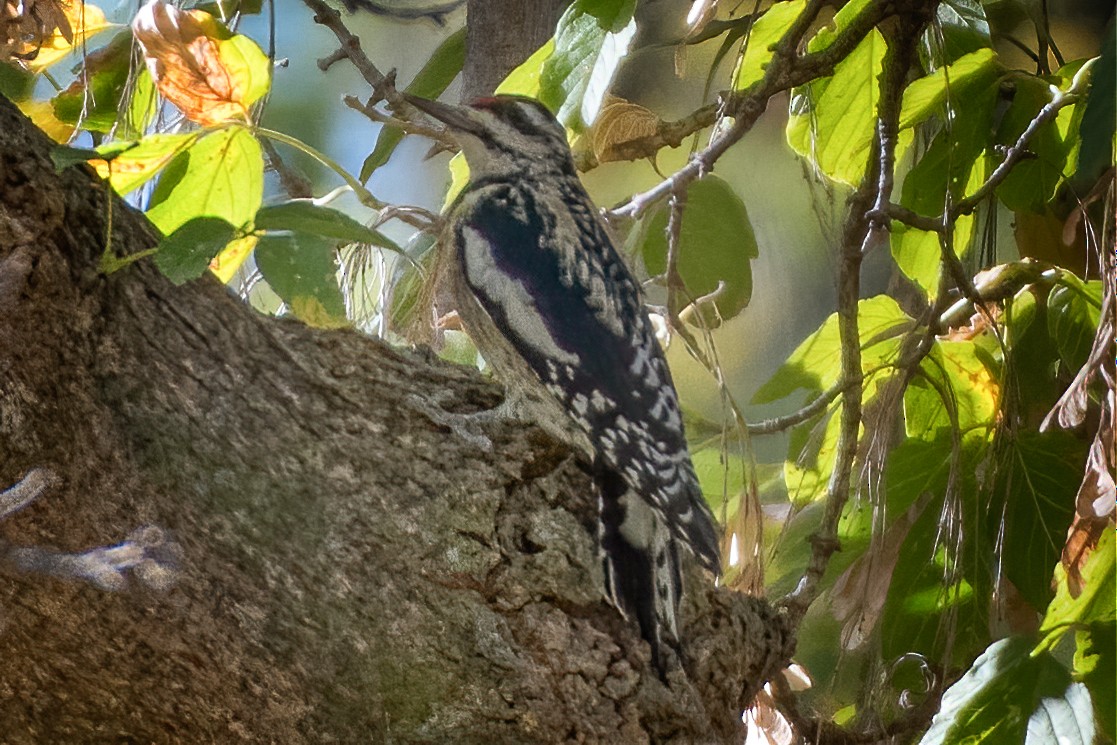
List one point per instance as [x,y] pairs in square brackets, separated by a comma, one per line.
[349,571]
[500,34]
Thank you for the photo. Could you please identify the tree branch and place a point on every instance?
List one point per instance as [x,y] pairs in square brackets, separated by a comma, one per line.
[786,70]
[859,232]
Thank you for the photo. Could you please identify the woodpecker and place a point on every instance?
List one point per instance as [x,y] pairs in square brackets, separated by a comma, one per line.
[552,306]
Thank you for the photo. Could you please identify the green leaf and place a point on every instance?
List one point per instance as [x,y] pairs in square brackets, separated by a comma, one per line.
[964,28]
[440,70]
[716,244]
[958,371]
[1073,314]
[843,19]
[839,122]
[1053,149]
[129,165]
[954,82]
[918,253]
[1099,119]
[526,79]
[592,38]
[1032,504]
[95,94]
[302,269]
[64,156]
[304,216]
[835,134]
[246,66]
[1032,361]
[767,30]
[1095,659]
[816,363]
[1098,599]
[185,253]
[920,601]
[955,161]
[811,451]
[720,478]
[1010,696]
[141,107]
[222,175]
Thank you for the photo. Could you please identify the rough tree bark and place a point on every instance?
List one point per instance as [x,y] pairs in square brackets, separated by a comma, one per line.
[351,572]
[500,34]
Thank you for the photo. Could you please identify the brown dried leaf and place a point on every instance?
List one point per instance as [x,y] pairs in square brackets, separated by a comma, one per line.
[182,51]
[38,33]
[859,593]
[1095,504]
[619,122]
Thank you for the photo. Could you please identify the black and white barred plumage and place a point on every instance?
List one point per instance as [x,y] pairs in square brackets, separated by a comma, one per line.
[552,306]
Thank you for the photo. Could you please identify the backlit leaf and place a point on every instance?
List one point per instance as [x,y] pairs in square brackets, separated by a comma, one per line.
[1097,603]
[526,79]
[82,21]
[816,363]
[927,95]
[232,257]
[208,73]
[767,30]
[222,175]
[1095,659]
[954,162]
[592,38]
[138,162]
[958,371]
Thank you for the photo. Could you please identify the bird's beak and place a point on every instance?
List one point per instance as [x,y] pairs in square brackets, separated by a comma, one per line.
[458,118]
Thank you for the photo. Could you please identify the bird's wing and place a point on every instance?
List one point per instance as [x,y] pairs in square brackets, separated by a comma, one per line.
[559,292]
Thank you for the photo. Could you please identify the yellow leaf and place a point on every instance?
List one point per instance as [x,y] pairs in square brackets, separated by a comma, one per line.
[42,114]
[459,177]
[73,22]
[618,123]
[524,80]
[311,312]
[226,263]
[211,75]
[135,165]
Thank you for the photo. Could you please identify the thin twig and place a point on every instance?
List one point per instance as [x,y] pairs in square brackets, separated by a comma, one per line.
[779,424]
[786,70]
[1013,154]
[858,233]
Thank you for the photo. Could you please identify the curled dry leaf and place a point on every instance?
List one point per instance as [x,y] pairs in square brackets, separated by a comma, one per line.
[1094,511]
[38,33]
[859,593]
[619,122]
[208,73]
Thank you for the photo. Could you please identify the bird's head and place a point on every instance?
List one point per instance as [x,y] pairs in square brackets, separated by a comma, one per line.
[503,134]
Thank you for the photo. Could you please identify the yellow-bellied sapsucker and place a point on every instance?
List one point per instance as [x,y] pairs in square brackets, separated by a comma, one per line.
[553,308]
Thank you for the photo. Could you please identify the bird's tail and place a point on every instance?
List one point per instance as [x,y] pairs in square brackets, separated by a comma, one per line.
[641,562]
